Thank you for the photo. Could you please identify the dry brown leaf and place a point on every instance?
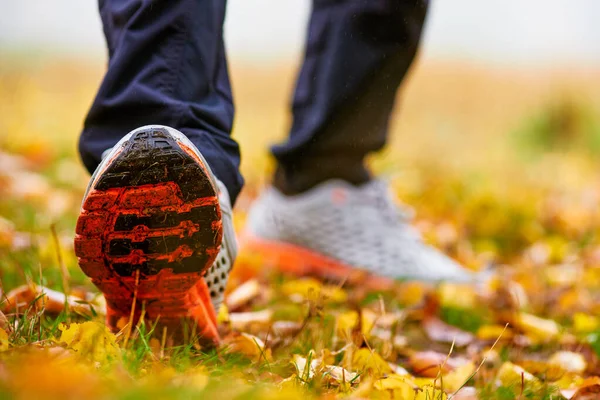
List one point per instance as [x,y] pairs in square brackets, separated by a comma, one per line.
[286,328]
[305,371]
[49,300]
[242,294]
[248,345]
[428,363]
[243,320]
[439,331]
[339,375]
[332,374]
[589,390]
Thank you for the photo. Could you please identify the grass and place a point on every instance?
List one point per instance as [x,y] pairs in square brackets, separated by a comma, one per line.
[457,157]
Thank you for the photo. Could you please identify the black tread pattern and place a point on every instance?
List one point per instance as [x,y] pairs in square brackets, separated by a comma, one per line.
[165,219]
[158,244]
[153,267]
[152,157]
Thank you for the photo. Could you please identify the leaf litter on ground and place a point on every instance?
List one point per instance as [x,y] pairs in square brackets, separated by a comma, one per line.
[532,331]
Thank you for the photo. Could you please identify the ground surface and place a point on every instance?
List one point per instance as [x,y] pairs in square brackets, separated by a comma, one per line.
[500,167]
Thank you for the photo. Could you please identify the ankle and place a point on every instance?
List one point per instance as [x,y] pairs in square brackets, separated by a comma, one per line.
[292,180]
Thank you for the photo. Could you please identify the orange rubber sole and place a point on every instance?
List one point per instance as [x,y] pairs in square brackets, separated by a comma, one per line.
[149,228]
[299,261]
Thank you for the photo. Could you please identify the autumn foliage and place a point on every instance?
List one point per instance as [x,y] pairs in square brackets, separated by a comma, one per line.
[525,211]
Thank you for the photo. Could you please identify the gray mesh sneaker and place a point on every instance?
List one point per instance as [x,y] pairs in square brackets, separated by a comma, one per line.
[337,229]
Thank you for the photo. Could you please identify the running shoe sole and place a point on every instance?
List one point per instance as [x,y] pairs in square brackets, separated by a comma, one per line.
[150,227]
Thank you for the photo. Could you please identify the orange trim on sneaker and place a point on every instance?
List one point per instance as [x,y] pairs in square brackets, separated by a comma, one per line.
[300,261]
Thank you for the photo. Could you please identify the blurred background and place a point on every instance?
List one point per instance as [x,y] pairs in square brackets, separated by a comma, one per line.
[495,140]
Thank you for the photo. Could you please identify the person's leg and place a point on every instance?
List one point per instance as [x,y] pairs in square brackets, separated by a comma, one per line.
[357,54]
[325,215]
[166,66]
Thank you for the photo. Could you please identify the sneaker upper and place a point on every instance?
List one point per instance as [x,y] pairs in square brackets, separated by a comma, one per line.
[358,225]
[217,275]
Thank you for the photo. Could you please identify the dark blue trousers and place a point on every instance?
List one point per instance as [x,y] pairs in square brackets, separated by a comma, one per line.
[167,65]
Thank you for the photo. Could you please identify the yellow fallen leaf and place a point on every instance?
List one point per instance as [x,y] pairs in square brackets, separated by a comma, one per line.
[309,288]
[559,247]
[400,387]
[585,323]
[346,322]
[4,343]
[537,328]
[430,393]
[196,378]
[411,293]
[91,340]
[223,314]
[45,375]
[289,383]
[368,319]
[493,332]
[453,380]
[568,381]
[510,374]
[422,381]
[455,295]
[549,371]
[423,389]
[370,362]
